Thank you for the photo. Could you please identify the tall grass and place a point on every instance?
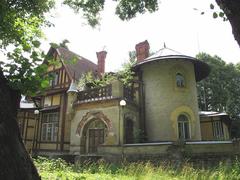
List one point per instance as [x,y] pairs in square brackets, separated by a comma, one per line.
[59,169]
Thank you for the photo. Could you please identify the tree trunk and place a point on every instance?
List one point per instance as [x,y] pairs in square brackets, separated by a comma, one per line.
[232,10]
[15,162]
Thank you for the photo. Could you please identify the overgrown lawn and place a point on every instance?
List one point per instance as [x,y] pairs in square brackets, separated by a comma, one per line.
[59,169]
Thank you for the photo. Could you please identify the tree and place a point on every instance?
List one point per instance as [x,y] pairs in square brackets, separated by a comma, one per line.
[231,8]
[210,88]
[220,91]
[20,27]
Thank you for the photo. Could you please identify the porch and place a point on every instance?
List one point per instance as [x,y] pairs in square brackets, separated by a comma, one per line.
[99,118]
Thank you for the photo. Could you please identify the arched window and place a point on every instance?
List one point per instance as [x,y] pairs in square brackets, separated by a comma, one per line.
[180,80]
[183,127]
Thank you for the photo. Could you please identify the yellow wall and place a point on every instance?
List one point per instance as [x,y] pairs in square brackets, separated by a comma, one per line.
[112,114]
[111,110]
[164,102]
[207,129]
[28,126]
[56,100]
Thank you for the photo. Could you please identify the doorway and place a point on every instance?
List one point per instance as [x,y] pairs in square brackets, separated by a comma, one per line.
[95,138]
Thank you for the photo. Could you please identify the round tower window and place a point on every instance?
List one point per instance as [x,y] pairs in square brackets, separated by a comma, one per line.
[183,127]
[180,80]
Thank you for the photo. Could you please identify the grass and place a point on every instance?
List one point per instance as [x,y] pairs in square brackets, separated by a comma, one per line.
[59,170]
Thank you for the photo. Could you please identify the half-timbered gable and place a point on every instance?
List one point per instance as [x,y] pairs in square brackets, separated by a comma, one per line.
[52,133]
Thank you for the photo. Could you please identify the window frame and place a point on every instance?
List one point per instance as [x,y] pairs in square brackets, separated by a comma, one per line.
[180,80]
[50,127]
[183,127]
[217,127]
[54,80]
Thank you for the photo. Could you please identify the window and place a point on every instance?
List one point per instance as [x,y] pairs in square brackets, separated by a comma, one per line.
[183,127]
[180,81]
[129,137]
[54,78]
[50,127]
[218,129]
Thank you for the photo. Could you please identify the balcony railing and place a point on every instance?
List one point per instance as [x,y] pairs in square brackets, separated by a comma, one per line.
[100,93]
[115,90]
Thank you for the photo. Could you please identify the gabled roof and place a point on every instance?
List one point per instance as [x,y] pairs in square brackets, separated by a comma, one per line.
[75,65]
[202,70]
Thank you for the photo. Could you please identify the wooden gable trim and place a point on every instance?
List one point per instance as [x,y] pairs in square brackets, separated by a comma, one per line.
[66,69]
[63,121]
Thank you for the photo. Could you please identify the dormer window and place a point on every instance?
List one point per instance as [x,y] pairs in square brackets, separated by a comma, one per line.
[180,80]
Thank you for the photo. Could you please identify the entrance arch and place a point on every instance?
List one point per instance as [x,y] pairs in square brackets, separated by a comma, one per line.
[93,130]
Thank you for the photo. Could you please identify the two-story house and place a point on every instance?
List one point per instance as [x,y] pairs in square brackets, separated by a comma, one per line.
[160,105]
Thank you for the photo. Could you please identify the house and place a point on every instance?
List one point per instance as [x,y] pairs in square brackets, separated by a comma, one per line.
[52,132]
[159,107]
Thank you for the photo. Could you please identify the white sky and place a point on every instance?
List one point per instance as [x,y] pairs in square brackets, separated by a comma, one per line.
[176,23]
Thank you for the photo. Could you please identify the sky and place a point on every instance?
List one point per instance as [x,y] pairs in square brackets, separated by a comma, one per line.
[177,24]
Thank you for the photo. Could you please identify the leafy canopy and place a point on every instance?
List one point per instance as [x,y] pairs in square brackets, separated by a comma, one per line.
[20,29]
[125,10]
[220,91]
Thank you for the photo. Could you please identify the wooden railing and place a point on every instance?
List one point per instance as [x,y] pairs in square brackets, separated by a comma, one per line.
[95,94]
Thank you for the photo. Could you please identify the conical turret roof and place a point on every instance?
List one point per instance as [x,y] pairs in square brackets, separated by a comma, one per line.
[202,69]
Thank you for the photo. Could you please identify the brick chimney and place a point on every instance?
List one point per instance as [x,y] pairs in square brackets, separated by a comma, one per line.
[142,50]
[101,56]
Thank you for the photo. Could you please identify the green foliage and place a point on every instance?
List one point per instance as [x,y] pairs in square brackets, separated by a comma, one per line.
[23,70]
[220,91]
[59,169]
[126,9]
[90,8]
[125,75]
[20,21]
[20,26]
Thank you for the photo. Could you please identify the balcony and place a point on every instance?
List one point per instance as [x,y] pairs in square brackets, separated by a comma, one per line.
[111,91]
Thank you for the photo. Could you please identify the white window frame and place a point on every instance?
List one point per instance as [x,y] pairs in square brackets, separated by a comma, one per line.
[182,124]
[50,123]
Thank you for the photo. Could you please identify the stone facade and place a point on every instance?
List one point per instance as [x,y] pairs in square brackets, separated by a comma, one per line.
[164,101]
[156,116]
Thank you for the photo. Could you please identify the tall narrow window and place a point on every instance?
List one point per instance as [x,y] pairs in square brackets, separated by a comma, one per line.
[183,127]
[56,75]
[129,137]
[54,78]
[180,81]
[218,130]
[50,127]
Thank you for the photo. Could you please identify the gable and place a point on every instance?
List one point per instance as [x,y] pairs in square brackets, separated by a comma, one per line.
[75,65]
[66,66]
